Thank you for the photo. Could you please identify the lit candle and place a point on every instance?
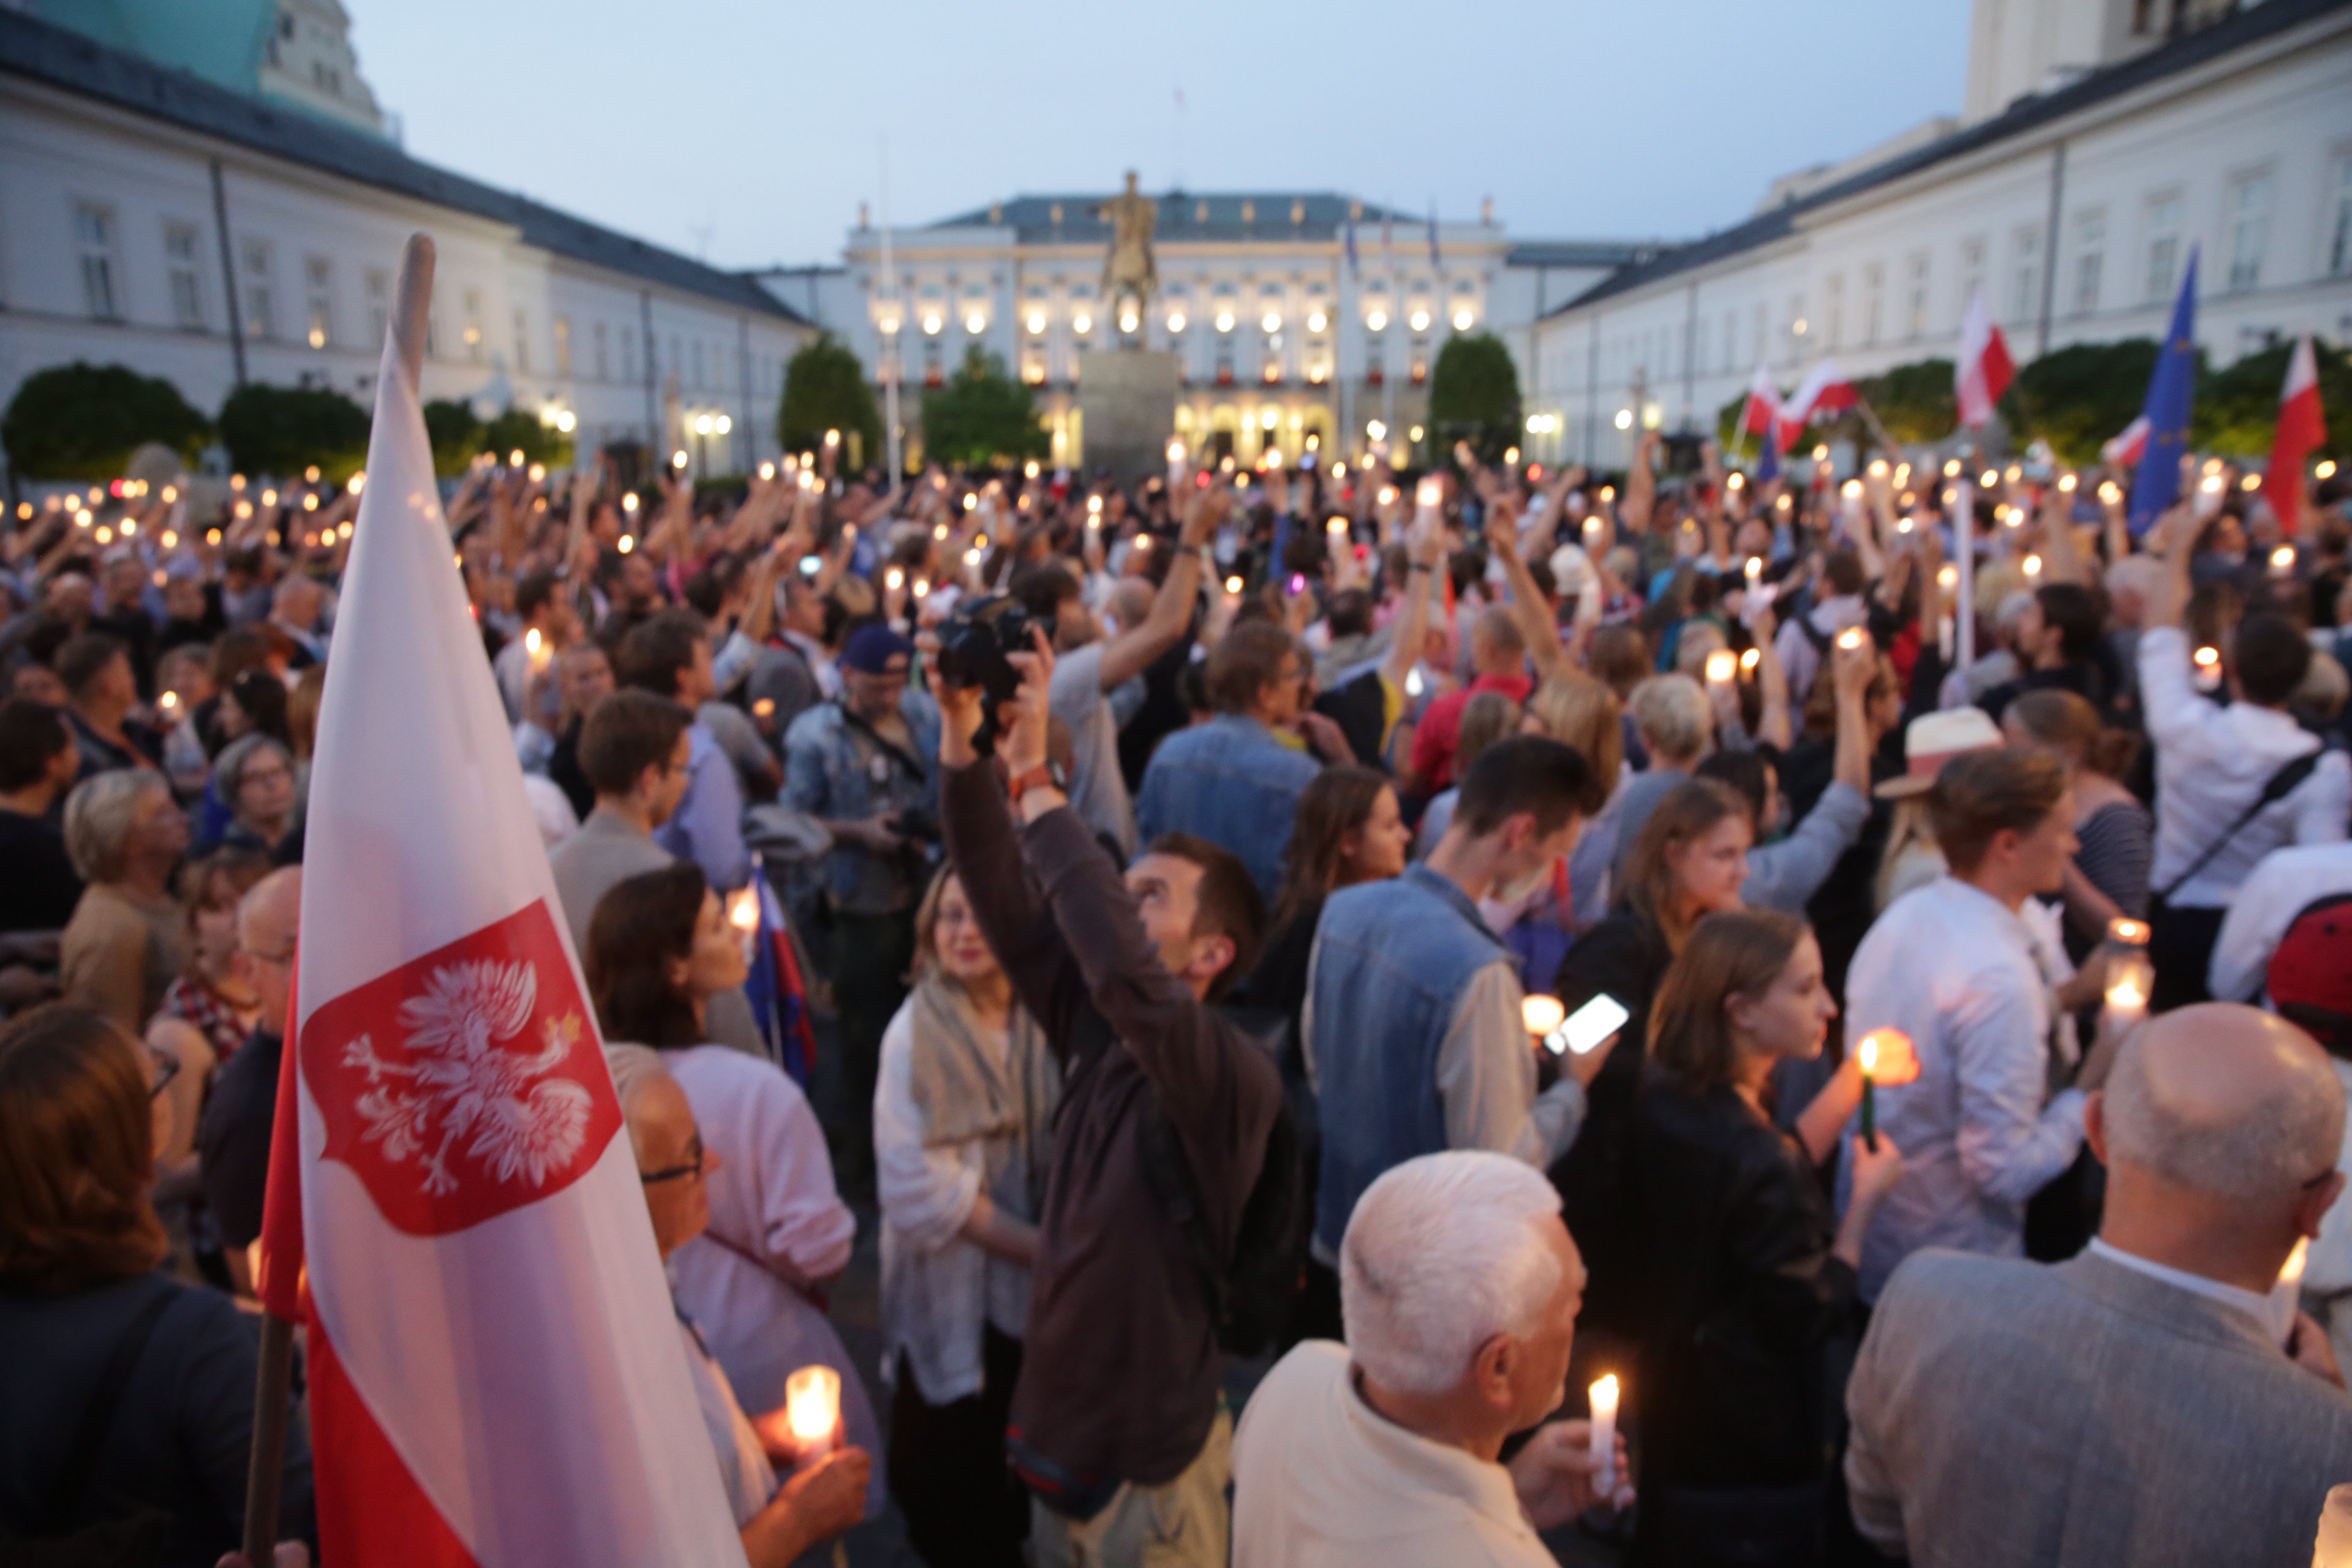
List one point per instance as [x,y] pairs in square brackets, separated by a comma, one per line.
[1754,569]
[2282,561]
[1721,666]
[1336,527]
[2127,1001]
[2126,932]
[1867,1055]
[1751,658]
[1542,1014]
[1604,1434]
[2333,1548]
[1852,638]
[743,914]
[812,1409]
[1233,585]
[1175,462]
[2286,1295]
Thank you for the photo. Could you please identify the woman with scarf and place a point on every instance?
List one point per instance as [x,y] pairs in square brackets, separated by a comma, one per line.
[963,1111]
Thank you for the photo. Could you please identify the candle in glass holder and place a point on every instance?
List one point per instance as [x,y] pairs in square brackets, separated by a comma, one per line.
[812,1409]
[1604,1434]
[2127,1001]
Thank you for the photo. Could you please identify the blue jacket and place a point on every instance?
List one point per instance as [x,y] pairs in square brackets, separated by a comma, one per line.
[1391,959]
[1228,780]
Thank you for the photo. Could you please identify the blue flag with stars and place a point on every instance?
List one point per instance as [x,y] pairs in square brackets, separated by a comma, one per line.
[2171,394]
[1767,462]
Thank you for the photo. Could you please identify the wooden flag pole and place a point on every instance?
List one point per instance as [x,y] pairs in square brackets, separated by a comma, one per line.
[1878,431]
[274,1379]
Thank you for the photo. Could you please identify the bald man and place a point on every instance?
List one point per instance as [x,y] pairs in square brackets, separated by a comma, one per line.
[2145,1404]
[233,1137]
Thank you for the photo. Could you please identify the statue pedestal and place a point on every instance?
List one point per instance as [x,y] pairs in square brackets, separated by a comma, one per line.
[1126,410]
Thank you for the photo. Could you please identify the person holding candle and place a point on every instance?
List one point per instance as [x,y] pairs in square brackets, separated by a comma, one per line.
[824,1493]
[963,1138]
[2131,1406]
[660,949]
[1741,1281]
[2108,878]
[1460,1288]
[1962,969]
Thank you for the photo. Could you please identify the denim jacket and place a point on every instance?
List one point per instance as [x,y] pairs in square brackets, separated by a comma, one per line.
[1228,780]
[1391,959]
[835,768]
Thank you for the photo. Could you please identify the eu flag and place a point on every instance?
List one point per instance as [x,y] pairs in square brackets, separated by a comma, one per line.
[2172,393]
[1768,463]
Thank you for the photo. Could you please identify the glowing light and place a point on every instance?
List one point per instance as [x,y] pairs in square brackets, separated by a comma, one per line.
[1751,658]
[1036,323]
[931,324]
[1317,320]
[2250,483]
[629,502]
[2208,657]
[1541,1013]
[1987,480]
[1429,495]
[1128,322]
[170,699]
[1376,430]
[1377,320]
[678,459]
[2325,470]
[310,503]
[212,536]
[743,914]
[2126,932]
[975,323]
[1175,321]
[1721,666]
[2067,483]
[1951,467]
[1272,321]
[1949,577]
[628,542]
[2110,492]
[171,540]
[813,1407]
[130,526]
[358,482]
[1624,419]
[1082,324]
[2034,566]
[1755,567]
[1852,639]
[767,472]
[1336,527]
[106,536]
[269,498]
[1414,434]
[702,426]
[894,579]
[723,425]
[1462,319]
[2283,560]
[1850,490]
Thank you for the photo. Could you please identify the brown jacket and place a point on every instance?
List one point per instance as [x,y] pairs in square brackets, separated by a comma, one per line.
[1121,1369]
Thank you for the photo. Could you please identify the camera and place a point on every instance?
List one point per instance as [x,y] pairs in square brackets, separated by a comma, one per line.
[972,649]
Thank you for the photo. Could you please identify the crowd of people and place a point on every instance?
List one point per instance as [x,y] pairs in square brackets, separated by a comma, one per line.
[1458,935]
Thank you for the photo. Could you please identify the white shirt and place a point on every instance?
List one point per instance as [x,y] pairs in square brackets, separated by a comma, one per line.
[2285,883]
[819,663]
[2212,763]
[1323,1480]
[2229,1295]
[938,1290]
[745,1470]
[2327,1266]
[1098,788]
[1970,982]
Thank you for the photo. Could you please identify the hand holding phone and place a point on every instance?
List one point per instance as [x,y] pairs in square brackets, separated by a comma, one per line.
[1585,1035]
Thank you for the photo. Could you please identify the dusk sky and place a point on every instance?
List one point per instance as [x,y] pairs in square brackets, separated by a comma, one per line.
[748,133]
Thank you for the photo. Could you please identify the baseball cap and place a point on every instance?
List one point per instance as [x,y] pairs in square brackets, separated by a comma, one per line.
[872,646]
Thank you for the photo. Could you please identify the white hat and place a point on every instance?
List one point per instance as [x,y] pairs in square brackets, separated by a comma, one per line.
[1934,739]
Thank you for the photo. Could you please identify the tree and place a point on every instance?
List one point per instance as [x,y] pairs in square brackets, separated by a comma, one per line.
[282,430]
[83,421]
[2078,397]
[824,389]
[454,433]
[538,441]
[1474,396]
[981,416]
[2237,408]
[1914,401]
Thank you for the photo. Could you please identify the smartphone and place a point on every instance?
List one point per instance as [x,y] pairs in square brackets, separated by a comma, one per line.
[1586,1028]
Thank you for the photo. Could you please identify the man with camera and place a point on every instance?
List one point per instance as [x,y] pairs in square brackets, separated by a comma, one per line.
[866,766]
[1118,1425]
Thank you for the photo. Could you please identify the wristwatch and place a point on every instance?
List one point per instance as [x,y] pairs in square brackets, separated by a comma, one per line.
[1045,776]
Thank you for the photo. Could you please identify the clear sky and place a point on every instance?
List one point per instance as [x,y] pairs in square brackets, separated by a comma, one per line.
[749,132]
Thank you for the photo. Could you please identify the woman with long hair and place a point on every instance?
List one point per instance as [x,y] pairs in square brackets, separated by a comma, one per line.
[83,1286]
[2109,874]
[1584,712]
[963,1111]
[1740,1277]
[660,946]
[1349,829]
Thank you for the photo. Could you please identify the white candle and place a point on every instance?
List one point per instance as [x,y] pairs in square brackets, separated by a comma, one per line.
[1175,463]
[812,1409]
[2126,1003]
[1604,1435]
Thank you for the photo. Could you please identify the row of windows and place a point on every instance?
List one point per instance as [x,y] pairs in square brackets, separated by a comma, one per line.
[2095,275]
[269,311]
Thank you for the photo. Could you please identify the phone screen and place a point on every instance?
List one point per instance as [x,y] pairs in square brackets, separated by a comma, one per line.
[1589,1024]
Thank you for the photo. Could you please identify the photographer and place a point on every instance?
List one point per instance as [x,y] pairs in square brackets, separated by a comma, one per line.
[866,766]
[1119,1429]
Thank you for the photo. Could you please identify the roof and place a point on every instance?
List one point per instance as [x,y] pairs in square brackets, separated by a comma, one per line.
[221,41]
[72,63]
[1611,253]
[2249,25]
[1322,215]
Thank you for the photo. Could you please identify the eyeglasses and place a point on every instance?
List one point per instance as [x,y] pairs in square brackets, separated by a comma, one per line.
[280,958]
[167,1067]
[675,1173]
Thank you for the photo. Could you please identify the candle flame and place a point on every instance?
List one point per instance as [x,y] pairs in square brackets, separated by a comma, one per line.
[1604,1395]
[1542,1014]
[743,910]
[2130,933]
[2127,993]
[813,1402]
[1867,1054]
[2292,1273]
[1722,665]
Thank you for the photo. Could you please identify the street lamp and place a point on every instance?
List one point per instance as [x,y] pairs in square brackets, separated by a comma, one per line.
[1421,320]
[1377,320]
[1462,319]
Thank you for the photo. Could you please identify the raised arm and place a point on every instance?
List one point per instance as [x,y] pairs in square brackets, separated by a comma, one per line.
[1539,628]
[1427,552]
[1132,652]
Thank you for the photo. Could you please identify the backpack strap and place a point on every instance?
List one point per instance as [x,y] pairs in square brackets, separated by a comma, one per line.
[98,1416]
[2279,785]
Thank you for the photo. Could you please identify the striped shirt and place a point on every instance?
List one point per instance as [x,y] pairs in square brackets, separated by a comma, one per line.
[2212,763]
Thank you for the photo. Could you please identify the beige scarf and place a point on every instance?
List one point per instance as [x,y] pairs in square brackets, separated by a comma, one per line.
[960,1093]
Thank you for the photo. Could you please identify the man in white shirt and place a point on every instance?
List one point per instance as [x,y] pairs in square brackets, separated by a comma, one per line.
[1461,1288]
[2145,1404]
[2214,766]
[1089,666]
[2283,886]
[1956,966]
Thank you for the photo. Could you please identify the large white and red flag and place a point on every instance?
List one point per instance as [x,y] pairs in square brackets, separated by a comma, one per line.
[1763,404]
[1823,393]
[496,1378]
[1984,369]
[2302,427]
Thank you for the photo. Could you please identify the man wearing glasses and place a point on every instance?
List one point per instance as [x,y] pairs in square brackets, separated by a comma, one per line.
[233,1137]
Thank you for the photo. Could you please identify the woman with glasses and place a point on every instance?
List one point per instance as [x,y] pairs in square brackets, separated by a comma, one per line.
[97,1338]
[660,948]
[127,939]
[819,1499]
[254,778]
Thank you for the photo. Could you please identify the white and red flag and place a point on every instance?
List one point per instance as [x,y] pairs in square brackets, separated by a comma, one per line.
[496,1378]
[1823,394]
[2127,445]
[1984,370]
[1763,403]
[2302,427]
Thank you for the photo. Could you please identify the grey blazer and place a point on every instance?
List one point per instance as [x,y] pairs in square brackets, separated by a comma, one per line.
[2011,1412]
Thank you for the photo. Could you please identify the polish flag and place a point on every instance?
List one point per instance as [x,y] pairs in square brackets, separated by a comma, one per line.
[2301,426]
[1763,403]
[1985,369]
[496,1378]
[2128,445]
[1823,393]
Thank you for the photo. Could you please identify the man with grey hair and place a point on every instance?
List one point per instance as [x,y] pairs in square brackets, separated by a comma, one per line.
[1460,1288]
[2152,1402]
[1677,727]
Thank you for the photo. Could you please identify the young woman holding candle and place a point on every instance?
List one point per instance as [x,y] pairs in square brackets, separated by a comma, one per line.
[963,1107]
[1740,1278]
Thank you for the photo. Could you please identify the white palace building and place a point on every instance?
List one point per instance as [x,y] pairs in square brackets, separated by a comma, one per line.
[2100,140]
[208,193]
